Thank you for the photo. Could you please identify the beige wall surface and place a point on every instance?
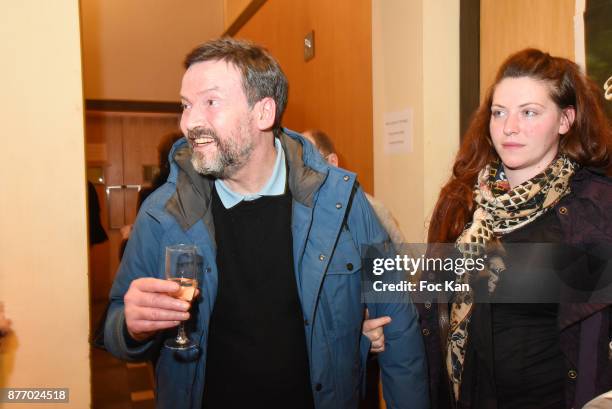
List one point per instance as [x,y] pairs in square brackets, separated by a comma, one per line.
[134,50]
[415,64]
[440,95]
[43,233]
[507,26]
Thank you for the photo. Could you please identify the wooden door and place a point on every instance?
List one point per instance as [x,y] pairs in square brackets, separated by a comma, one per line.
[122,147]
[332,91]
[508,26]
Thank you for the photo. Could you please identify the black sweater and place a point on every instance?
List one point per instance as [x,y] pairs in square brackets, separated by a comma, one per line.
[257,354]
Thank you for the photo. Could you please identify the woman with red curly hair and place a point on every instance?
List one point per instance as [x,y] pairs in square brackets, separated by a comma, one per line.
[533,167]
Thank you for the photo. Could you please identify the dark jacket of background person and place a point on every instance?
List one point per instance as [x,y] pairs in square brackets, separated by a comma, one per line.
[585,216]
[96,231]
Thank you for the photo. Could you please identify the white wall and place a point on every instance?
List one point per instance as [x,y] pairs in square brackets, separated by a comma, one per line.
[43,233]
[415,64]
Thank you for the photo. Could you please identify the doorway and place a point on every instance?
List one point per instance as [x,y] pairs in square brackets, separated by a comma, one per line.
[122,154]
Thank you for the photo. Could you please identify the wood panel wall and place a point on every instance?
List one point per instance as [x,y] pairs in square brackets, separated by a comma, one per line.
[507,26]
[333,91]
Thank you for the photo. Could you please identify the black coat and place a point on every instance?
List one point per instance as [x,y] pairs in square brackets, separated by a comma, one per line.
[585,220]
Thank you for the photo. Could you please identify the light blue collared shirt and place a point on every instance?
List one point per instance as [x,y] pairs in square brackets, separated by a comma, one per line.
[274,187]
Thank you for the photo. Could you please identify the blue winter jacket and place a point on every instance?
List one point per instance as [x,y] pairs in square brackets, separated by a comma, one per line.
[331,220]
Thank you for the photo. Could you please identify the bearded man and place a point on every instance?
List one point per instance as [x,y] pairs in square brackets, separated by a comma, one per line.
[278,320]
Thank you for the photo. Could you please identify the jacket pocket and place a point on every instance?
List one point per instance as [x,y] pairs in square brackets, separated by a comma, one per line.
[346,258]
[342,288]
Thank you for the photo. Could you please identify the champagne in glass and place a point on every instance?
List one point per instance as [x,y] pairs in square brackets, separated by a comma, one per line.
[187,288]
[181,267]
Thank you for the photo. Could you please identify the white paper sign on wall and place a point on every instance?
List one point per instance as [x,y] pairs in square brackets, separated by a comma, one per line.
[398,132]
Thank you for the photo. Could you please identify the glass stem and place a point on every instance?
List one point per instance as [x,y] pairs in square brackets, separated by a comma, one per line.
[181,337]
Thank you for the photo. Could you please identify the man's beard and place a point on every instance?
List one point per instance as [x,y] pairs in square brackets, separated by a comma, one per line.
[228,158]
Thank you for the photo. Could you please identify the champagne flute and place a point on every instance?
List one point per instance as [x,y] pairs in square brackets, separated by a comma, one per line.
[181,267]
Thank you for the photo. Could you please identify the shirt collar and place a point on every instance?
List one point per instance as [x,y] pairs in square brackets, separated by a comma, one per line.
[275,186]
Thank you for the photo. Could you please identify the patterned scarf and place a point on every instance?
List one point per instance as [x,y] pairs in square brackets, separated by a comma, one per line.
[499,210]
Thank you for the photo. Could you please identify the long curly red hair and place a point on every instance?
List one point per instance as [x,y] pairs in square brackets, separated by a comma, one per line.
[589,141]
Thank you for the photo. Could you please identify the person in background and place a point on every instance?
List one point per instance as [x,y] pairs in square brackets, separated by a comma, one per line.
[163,151]
[533,167]
[279,318]
[97,234]
[325,146]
